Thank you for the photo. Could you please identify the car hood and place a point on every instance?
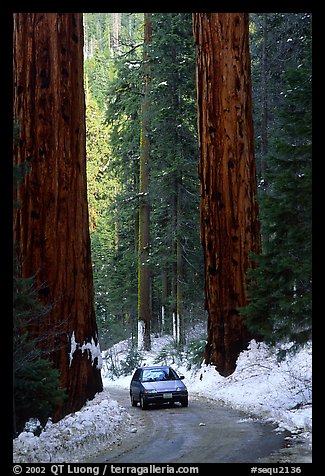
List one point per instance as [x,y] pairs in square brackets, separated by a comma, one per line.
[164,386]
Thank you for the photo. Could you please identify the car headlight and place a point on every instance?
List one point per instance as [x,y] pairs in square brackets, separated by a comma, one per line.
[150,391]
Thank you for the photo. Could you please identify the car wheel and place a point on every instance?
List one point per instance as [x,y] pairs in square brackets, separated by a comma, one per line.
[143,403]
[133,401]
[184,403]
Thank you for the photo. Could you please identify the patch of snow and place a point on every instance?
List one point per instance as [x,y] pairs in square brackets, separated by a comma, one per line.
[73,347]
[94,351]
[92,348]
[76,436]
[261,386]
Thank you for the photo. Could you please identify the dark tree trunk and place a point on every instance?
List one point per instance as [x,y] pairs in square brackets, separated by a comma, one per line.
[164,297]
[144,278]
[229,212]
[178,330]
[264,118]
[51,227]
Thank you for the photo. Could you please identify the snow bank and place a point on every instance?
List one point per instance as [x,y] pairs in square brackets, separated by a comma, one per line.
[261,386]
[96,426]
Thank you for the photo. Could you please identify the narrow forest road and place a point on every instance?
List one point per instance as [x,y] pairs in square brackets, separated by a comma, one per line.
[204,432]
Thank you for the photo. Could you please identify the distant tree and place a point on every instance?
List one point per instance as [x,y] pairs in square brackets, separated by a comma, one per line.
[177,258]
[277,42]
[102,188]
[116,270]
[280,287]
[229,212]
[144,274]
[51,227]
[174,257]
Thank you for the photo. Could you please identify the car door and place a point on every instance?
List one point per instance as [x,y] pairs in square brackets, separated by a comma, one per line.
[135,385]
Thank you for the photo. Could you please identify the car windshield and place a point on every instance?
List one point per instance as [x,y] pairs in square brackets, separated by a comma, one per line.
[158,375]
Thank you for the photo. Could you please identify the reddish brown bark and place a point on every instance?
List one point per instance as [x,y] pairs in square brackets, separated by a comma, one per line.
[229,212]
[51,226]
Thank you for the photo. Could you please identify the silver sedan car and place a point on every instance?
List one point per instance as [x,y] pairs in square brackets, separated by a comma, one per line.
[157,384]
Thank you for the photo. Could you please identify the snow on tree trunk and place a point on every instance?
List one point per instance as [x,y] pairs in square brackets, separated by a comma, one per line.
[162,320]
[141,338]
[229,213]
[51,227]
[174,327]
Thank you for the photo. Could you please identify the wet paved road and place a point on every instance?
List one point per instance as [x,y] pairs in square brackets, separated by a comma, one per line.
[204,432]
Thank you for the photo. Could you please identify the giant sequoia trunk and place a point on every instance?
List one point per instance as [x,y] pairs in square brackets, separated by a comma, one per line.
[229,213]
[51,226]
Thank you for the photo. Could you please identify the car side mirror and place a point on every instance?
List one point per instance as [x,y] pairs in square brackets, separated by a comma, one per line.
[181,377]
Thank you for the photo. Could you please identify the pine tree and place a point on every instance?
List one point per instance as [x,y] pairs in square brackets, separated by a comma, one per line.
[177,253]
[115,240]
[276,43]
[280,288]
[144,273]
[36,383]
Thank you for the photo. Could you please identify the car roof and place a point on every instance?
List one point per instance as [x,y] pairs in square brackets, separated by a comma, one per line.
[149,367]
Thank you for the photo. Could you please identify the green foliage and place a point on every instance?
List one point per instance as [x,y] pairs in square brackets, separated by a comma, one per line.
[112,157]
[116,367]
[277,42]
[195,352]
[280,287]
[36,390]
[173,168]
[168,354]
[174,183]
[36,383]
[113,291]
[133,360]
[101,186]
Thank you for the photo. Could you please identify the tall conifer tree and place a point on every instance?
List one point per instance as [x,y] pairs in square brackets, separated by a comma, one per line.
[144,277]
[174,181]
[280,286]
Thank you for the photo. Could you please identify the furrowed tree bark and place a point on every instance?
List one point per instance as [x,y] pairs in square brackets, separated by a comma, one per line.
[144,277]
[51,228]
[229,212]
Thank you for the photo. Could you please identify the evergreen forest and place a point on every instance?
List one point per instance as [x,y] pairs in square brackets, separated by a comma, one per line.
[280,287]
[127,216]
[114,79]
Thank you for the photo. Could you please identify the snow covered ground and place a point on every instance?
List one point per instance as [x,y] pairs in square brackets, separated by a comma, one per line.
[278,392]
